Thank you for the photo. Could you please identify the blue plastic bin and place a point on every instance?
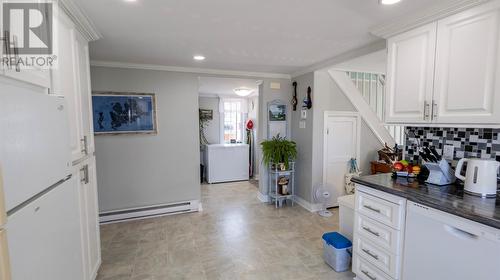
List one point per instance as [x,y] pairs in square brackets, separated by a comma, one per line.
[337,251]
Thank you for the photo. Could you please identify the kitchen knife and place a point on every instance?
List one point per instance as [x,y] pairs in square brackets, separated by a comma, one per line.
[423,155]
[435,153]
[428,153]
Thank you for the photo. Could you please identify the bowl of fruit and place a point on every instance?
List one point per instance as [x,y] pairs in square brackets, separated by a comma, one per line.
[403,168]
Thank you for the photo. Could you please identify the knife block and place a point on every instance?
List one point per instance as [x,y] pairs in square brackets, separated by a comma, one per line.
[441,173]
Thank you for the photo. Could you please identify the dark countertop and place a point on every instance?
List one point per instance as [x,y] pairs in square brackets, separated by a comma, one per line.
[450,199]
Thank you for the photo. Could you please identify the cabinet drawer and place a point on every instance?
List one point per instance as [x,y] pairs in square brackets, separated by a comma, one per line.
[379,209]
[366,271]
[388,263]
[382,235]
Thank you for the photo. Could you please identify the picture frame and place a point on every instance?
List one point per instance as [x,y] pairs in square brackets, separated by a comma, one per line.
[206,114]
[277,112]
[118,113]
[277,119]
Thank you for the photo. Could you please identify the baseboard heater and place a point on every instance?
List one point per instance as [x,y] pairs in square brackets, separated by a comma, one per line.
[148,212]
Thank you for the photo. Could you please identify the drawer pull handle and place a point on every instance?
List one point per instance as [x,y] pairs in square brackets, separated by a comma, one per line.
[371,231]
[370,254]
[368,275]
[372,209]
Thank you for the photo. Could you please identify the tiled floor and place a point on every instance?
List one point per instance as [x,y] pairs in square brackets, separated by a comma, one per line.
[235,237]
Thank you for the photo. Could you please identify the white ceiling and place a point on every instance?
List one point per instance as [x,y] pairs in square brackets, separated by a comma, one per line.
[278,36]
[225,86]
[371,63]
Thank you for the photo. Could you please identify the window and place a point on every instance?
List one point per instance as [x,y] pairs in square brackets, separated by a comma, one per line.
[233,121]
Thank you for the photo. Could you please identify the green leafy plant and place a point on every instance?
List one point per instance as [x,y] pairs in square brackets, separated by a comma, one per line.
[278,150]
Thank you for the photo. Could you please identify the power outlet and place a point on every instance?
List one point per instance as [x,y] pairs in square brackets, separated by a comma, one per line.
[448,152]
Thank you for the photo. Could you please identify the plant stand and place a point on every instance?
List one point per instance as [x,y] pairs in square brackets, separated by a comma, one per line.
[274,176]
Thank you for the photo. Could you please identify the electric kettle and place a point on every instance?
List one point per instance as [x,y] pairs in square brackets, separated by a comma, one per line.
[480,177]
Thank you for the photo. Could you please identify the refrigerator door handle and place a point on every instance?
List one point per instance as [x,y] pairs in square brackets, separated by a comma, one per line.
[4,257]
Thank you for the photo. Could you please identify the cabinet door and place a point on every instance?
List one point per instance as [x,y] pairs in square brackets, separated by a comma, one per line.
[410,75]
[467,88]
[36,75]
[44,237]
[64,81]
[91,242]
[83,67]
[93,220]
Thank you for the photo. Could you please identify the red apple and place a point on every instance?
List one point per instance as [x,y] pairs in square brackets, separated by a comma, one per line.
[398,166]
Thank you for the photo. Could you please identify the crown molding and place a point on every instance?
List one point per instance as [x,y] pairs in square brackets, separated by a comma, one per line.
[81,20]
[329,63]
[434,13]
[208,71]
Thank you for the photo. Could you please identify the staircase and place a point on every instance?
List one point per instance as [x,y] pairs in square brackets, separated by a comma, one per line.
[371,86]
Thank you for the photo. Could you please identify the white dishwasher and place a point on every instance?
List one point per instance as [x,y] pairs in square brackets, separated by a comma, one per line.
[441,246]
[227,162]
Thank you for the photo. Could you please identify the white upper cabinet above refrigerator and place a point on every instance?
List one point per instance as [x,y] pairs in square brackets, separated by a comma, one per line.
[410,75]
[467,85]
[447,72]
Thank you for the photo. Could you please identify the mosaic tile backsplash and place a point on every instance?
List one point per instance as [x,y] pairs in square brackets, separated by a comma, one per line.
[468,142]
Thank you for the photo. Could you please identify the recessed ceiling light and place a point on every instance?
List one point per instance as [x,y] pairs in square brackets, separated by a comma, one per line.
[199,57]
[243,91]
[389,2]
[130,0]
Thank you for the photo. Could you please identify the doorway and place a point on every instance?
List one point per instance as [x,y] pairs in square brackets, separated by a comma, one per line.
[341,144]
[229,114]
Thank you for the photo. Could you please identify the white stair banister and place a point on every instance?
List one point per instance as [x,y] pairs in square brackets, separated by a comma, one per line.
[364,109]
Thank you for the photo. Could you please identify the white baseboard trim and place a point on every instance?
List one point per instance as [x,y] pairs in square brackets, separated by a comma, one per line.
[154,211]
[311,207]
[96,269]
[262,197]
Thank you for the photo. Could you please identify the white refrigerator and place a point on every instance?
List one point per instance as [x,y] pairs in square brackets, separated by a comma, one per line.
[40,237]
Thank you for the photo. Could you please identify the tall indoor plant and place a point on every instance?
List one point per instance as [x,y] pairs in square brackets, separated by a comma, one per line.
[278,151]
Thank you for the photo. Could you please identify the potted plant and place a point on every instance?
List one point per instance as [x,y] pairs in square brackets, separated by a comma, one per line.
[279,151]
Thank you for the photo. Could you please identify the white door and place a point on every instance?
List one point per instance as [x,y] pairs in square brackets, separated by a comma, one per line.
[44,237]
[467,88]
[340,145]
[410,75]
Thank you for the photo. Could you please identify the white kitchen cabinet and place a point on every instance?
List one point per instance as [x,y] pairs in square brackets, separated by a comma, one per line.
[64,81]
[447,72]
[467,87]
[72,80]
[379,226]
[91,243]
[410,75]
[85,92]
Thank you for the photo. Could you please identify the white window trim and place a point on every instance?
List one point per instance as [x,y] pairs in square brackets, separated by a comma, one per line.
[244,114]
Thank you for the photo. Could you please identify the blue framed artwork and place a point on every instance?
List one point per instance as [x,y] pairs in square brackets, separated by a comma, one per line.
[124,113]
